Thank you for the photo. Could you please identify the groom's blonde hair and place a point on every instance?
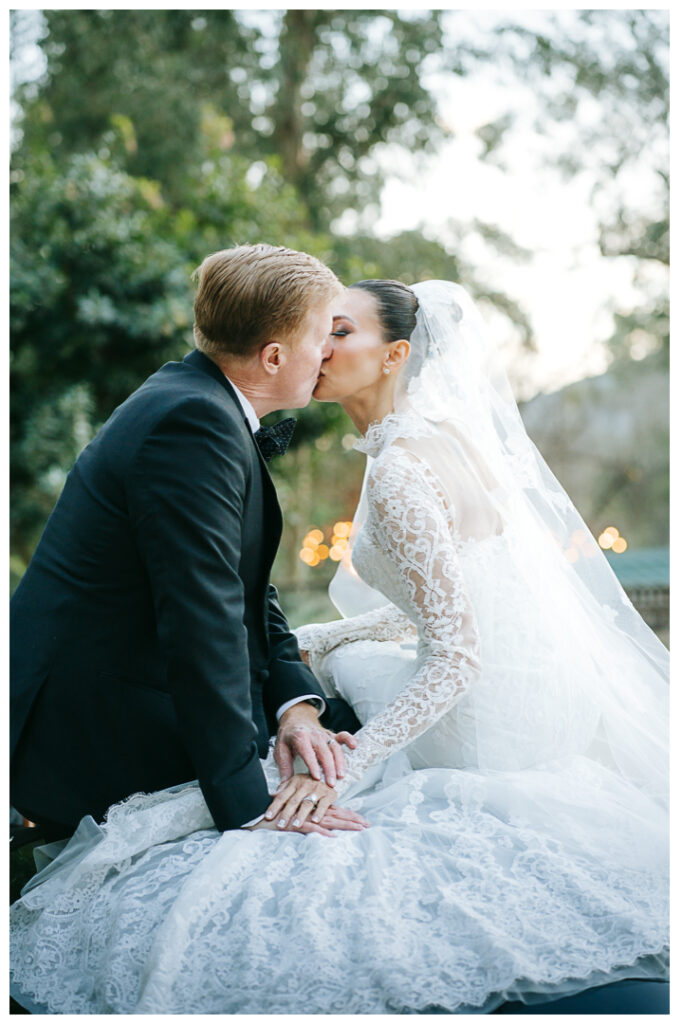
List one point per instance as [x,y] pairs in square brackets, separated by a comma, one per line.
[251,293]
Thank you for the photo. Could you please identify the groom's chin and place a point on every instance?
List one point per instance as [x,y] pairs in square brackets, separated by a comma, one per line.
[299,401]
[319,392]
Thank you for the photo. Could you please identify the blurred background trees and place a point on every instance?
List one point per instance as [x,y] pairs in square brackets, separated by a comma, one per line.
[145,139]
[603,113]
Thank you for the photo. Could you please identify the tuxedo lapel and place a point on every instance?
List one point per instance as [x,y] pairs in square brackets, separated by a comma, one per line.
[272,513]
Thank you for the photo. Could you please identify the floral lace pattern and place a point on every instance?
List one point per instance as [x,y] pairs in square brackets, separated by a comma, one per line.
[521,711]
[419,570]
[457,898]
[320,638]
[410,530]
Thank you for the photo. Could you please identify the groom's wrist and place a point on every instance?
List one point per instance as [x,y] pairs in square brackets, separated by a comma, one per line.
[310,699]
[254,821]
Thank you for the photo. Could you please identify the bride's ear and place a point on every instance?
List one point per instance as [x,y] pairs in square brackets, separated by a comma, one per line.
[400,350]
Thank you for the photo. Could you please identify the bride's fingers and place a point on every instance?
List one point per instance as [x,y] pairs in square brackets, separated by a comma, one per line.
[306,805]
[322,807]
[341,824]
[341,814]
[344,814]
[298,807]
[309,827]
[303,812]
[284,791]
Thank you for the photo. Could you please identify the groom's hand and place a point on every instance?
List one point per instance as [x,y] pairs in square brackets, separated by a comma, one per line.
[301,733]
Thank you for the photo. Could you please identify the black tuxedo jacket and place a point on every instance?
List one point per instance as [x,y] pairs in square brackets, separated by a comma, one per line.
[147,645]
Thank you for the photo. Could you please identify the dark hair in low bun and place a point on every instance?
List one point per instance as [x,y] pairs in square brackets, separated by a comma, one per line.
[397,307]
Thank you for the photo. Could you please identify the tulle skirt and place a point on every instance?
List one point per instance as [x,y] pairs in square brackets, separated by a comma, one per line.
[472,887]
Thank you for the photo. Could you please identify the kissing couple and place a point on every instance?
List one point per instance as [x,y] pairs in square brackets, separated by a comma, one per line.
[483,734]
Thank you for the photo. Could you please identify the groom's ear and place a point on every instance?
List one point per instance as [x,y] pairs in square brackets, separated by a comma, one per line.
[271,357]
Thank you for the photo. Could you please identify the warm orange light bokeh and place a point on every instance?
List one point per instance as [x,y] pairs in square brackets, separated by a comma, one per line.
[314,551]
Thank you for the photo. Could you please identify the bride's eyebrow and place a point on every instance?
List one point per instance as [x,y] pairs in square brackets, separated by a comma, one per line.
[344,316]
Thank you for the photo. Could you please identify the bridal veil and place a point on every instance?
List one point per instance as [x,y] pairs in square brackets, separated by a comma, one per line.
[454,406]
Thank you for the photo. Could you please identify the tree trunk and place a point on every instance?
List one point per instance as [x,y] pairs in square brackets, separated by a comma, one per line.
[297,39]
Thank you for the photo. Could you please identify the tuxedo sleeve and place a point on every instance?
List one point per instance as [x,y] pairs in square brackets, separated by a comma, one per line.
[186,491]
[289,679]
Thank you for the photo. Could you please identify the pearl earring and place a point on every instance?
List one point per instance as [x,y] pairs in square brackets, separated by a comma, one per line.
[386,370]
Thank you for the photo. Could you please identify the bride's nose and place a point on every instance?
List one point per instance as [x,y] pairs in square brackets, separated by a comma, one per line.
[328,347]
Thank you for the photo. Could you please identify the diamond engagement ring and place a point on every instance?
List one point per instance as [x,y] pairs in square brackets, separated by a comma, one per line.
[313,799]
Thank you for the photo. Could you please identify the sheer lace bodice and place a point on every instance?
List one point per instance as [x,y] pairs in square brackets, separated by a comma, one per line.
[407,551]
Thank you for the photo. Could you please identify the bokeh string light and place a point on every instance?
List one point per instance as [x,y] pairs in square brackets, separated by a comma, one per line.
[611,540]
[314,551]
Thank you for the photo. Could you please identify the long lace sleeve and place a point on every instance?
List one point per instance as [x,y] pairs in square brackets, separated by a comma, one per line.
[408,522]
[385,623]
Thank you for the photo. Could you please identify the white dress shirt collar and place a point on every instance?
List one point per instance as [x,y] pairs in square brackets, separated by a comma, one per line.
[248,408]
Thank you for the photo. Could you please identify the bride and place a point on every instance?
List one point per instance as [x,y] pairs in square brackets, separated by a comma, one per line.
[512,757]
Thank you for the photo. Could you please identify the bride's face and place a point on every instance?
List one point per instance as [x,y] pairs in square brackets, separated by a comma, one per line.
[359,350]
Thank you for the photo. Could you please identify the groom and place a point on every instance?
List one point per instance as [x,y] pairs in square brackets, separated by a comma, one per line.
[148,647]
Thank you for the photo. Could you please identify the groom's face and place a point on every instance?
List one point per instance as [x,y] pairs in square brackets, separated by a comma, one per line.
[306,351]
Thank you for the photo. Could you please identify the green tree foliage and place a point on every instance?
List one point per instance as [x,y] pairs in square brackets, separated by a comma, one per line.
[154,137]
[321,89]
[600,80]
[348,82]
[152,71]
[96,299]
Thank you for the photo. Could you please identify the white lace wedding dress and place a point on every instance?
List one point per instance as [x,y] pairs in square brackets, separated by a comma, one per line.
[506,859]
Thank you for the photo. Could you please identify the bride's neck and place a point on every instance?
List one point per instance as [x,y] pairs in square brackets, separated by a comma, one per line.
[366,407]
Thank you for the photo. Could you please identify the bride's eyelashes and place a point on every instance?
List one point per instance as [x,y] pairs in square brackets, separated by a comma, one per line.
[341,327]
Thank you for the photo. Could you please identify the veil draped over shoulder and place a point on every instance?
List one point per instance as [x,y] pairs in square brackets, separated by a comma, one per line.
[455,408]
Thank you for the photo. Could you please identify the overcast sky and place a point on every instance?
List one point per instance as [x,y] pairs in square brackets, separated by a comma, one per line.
[568,287]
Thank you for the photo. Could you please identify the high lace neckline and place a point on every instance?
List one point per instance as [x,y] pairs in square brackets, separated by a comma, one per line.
[381,433]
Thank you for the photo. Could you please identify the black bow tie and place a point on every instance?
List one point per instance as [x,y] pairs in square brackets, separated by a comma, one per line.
[275,440]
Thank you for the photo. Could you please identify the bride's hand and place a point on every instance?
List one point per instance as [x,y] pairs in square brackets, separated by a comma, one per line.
[301,798]
[332,823]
